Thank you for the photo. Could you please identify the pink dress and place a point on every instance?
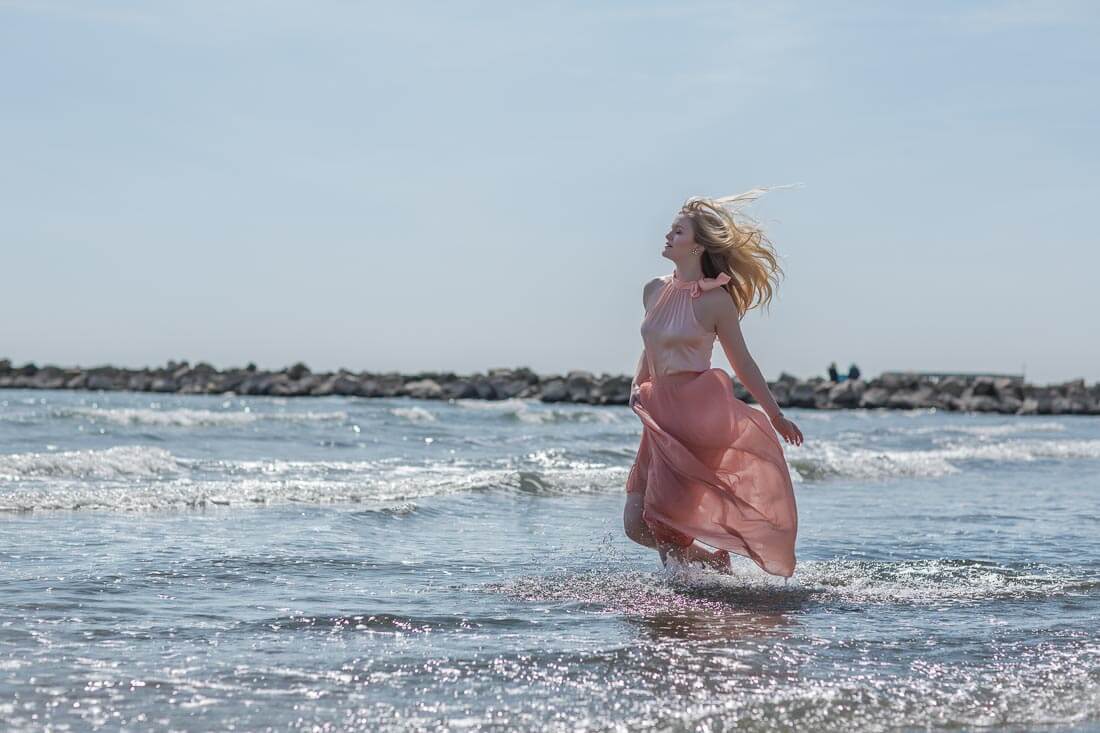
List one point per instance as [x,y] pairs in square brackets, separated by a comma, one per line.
[710,466]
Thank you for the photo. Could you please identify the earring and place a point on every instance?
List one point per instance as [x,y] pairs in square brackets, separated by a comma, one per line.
[695,251]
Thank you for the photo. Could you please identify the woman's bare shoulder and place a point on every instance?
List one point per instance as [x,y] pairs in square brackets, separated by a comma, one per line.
[717,303]
[650,288]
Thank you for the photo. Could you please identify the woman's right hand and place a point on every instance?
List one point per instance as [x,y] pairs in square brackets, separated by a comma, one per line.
[787,429]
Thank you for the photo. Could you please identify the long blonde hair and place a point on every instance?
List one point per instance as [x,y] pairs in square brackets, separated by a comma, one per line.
[740,249]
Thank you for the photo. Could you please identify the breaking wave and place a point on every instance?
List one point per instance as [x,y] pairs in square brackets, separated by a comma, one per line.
[826,459]
[189,418]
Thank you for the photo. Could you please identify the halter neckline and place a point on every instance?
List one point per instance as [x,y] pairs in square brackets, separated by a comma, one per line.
[698,286]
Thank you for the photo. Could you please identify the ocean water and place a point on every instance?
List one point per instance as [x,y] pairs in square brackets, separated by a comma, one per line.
[223,563]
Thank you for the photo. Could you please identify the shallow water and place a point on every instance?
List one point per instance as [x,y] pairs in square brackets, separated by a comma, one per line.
[200,563]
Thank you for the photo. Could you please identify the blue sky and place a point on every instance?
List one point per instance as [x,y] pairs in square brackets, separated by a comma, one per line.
[461,186]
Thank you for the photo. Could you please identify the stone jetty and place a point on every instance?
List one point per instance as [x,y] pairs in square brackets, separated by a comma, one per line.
[890,390]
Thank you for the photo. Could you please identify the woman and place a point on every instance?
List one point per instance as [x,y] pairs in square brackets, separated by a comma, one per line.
[709,467]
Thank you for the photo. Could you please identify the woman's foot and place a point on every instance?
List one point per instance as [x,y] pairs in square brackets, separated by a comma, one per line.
[718,560]
[721,562]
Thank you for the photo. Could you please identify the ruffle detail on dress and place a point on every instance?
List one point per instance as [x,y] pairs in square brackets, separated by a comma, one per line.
[702,284]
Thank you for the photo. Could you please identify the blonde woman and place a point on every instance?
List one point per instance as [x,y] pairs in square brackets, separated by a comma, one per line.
[709,467]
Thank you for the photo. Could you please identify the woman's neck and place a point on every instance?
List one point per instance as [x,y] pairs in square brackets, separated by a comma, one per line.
[689,272]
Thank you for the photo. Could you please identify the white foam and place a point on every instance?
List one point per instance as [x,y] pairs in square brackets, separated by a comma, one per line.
[597,415]
[1011,428]
[911,582]
[825,459]
[413,414]
[193,418]
[509,405]
[908,582]
[118,478]
[533,412]
[122,462]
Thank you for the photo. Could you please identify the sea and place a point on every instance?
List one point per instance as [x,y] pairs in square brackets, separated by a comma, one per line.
[197,563]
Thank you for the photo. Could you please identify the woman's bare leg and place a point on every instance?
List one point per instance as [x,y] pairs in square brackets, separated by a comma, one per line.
[638,530]
[635,526]
[719,559]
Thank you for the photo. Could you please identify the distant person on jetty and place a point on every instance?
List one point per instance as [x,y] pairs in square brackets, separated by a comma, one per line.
[709,467]
[853,373]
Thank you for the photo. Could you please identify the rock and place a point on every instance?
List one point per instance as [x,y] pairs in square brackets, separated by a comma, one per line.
[912,399]
[1073,405]
[980,403]
[258,384]
[554,390]
[821,395]
[802,395]
[344,384]
[949,402]
[874,397]
[288,387]
[164,384]
[893,381]
[848,393]
[476,386]
[1005,389]
[228,382]
[982,387]
[742,393]
[580,385]
[139,382]
[424,389]
[1044,404]
[508,383]
[953,386]
[50,378]
[460,389]
[521,374]
[100,380]
[612,390]
[297,371]
[1074,387]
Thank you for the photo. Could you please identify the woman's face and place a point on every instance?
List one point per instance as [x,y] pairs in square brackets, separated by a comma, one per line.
[680,239]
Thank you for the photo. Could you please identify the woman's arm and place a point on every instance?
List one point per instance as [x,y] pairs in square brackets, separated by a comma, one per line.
[729,333]
[641,372]
[733,343]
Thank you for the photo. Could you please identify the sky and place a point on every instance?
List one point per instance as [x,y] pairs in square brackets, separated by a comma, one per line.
[465,186]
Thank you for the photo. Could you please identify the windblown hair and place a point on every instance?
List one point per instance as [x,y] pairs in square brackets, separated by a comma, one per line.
[738,248]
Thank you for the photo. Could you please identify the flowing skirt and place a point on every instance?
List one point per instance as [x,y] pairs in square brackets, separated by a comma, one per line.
[712,468]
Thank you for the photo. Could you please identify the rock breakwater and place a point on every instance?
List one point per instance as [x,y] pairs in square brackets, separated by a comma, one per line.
[890,390]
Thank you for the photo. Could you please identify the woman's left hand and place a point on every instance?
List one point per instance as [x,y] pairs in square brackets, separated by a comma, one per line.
[787,429]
